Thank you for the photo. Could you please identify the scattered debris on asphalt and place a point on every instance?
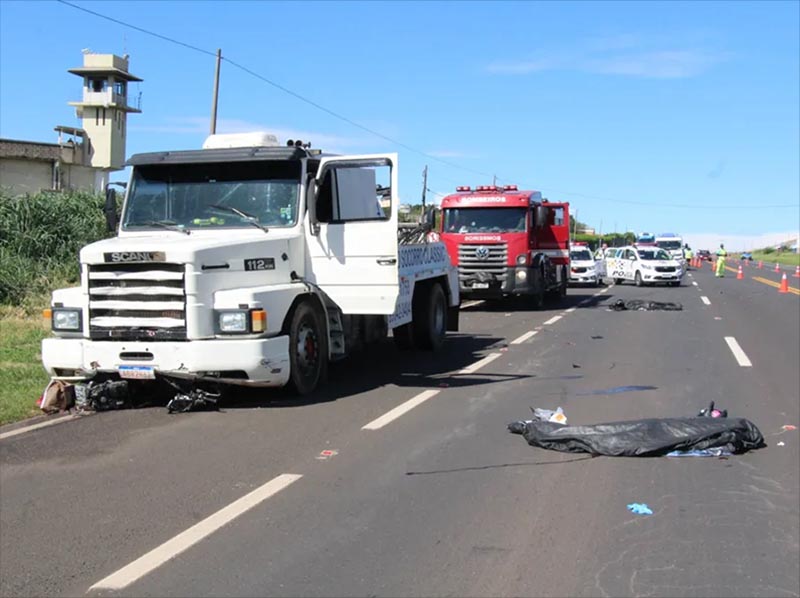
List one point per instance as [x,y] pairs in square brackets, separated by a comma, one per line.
[108,395]
[712,452]
[597,337]
[547,415]
[194,400]
[781,443]
[58,396]
[643,438]
[645,305]
[788,428]
[576,366]
[640,509]
[711,412]
[618,389]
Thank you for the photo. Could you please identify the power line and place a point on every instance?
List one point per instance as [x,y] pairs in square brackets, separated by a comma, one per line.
[381,135]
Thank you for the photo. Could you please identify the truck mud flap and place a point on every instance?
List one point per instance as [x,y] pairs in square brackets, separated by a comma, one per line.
[452,318]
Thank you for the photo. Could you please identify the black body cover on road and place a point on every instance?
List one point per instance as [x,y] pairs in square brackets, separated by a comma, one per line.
[643,437]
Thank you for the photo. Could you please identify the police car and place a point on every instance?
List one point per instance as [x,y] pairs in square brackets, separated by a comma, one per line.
[644,266]
[582,266]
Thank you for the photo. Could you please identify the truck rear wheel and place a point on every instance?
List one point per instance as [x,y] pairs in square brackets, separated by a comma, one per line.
[308,349]
[430,318]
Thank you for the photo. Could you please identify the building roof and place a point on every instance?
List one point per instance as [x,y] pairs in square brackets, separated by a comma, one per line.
[29,150]
[104,70]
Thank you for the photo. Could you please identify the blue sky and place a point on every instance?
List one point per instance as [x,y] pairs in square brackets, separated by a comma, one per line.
[626,110]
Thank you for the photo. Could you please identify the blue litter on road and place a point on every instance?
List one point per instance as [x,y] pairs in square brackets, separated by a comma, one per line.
[712,452]
[618,389]
[640,509]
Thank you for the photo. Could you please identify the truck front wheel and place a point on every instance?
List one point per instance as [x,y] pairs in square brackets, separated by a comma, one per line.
[308,349]
[430,318]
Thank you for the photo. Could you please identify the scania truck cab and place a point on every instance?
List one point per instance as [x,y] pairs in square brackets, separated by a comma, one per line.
[506,242]
[250,263]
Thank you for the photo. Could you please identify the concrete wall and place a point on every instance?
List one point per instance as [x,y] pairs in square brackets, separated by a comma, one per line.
[25,176]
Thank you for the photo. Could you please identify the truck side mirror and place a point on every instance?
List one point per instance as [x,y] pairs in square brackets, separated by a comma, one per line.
[110,210]
[429,219]
[540,216]
[311,205]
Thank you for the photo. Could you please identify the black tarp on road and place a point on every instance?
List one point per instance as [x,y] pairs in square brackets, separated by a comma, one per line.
[643,437]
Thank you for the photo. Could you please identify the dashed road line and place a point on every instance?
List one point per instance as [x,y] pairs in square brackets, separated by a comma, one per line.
[524,337]
[552,320]
[570,310]
[694,282]
[705,300]
[401,409]
[471,369]
[738,353]
[472,303]
[186,539]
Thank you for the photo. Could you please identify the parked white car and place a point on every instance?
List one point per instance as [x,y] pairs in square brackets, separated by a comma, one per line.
[582,267]
[644,266]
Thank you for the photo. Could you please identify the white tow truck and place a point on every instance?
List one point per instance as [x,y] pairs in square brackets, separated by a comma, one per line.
[250,263]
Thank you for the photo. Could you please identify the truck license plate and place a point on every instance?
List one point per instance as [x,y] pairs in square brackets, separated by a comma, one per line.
[137,372]
[480,285]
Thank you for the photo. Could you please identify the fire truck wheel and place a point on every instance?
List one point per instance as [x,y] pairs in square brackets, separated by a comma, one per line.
[404,336]
[430,317]
[308,349]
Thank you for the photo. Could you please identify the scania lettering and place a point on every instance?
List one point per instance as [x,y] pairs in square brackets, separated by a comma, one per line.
[252,264]
[506,242]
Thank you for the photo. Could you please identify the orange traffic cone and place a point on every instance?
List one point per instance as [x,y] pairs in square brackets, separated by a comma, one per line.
[740,275]
[760,264]
[777,267]
[797,272]
[784,284]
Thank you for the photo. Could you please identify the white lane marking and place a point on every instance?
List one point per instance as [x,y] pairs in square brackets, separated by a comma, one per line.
[570,310]
[738,353]
[186,539]
[552,320]
[705,300]
[694,282]
[471,369]
[472,303]
[605,290]
[524,337]
[38,426]
[401,409]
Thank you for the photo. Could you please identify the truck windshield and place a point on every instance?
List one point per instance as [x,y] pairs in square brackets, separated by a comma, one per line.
[215,195]
[669,244]
[484,220]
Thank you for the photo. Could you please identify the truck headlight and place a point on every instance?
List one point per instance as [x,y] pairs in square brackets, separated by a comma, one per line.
[66,319]
[242,321]
[522,259]
[233,321]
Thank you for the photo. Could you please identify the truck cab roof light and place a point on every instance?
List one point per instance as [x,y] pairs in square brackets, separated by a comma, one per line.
[510,188]
[463,188]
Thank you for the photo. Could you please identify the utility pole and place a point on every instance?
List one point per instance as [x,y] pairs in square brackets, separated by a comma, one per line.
[494,181]
[575,228]
[216,94]
[424,189]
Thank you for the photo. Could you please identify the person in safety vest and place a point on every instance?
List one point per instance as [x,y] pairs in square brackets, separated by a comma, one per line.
[721,255]
[687,254]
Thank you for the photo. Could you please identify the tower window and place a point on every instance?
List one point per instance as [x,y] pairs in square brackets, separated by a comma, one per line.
[119,88]
[97,85]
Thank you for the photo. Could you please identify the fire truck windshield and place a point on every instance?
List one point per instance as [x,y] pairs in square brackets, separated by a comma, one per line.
[484,220]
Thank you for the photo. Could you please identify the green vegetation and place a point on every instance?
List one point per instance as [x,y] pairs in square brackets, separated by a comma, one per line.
[40,237]
[790,259]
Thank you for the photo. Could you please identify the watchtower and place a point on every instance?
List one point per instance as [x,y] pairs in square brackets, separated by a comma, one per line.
[105,106]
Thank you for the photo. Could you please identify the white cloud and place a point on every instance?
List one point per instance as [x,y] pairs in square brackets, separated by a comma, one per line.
[624,55]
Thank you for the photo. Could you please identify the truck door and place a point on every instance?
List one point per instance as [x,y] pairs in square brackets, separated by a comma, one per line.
[352,251]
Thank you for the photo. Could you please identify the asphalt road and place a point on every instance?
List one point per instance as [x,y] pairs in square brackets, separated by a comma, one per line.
[442,500]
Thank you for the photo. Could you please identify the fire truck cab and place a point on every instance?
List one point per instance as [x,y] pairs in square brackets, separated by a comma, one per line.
[506,242]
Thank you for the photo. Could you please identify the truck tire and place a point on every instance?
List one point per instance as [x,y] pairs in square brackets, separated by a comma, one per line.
[308,349]
[430,318]
[404,336]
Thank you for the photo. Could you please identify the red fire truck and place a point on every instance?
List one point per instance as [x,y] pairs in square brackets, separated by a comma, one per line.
[506,242]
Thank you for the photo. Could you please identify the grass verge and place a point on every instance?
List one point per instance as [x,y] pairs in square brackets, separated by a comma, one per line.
[790,259]
[22,378]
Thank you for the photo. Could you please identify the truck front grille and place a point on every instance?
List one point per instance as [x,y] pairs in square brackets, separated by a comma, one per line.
[477,257]
[137,302]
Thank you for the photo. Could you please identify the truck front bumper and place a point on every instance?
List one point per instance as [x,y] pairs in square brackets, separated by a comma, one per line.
[264,361]
[517,281]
